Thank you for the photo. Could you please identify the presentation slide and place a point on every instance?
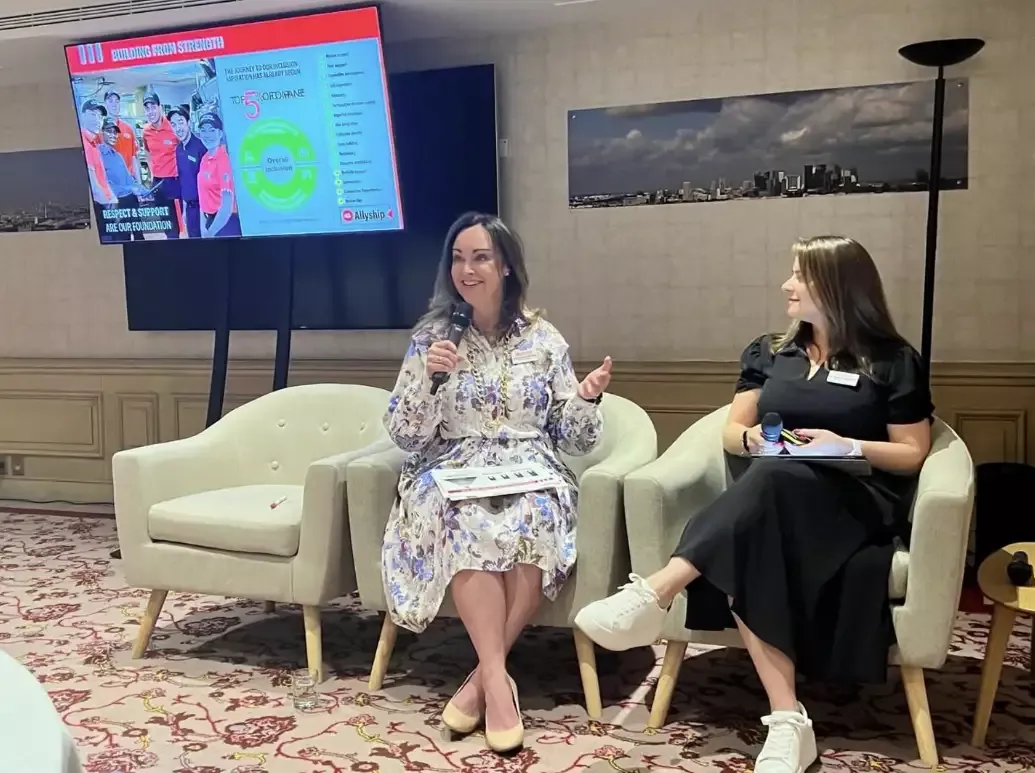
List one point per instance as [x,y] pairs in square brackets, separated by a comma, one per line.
[270,128]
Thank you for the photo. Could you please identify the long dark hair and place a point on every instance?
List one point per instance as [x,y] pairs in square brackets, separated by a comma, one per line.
[507,247]
[846,284]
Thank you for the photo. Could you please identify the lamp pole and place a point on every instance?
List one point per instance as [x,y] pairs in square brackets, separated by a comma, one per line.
[940,54]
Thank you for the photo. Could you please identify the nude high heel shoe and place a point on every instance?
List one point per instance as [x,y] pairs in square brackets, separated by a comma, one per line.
[506,741]
[456,720]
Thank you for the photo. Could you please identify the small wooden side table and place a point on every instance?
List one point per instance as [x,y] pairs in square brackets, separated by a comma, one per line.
[1009,601]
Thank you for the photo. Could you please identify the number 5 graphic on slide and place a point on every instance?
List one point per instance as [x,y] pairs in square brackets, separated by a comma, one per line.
[250,100]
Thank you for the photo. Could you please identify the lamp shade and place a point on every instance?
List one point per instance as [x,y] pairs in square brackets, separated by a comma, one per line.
[941,53]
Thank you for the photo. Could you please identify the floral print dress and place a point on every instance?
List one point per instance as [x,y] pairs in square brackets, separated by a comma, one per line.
[510,402]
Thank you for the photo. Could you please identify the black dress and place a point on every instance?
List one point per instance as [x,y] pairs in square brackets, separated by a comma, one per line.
[805,550]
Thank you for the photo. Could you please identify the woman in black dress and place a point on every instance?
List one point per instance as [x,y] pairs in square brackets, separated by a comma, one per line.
[797,555]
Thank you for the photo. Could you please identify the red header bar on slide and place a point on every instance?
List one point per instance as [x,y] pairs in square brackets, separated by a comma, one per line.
[253,37]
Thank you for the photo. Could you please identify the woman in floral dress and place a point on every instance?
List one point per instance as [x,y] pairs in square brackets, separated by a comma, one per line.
[511,397]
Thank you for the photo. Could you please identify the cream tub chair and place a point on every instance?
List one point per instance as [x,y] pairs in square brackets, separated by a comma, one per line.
[628,442]
[253,507]
[924,583]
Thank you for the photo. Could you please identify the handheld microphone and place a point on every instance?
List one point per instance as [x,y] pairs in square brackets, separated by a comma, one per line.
[1019,569]
[458,324]
[771,427]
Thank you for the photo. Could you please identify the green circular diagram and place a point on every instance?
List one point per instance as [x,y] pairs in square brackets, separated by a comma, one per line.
[278,164]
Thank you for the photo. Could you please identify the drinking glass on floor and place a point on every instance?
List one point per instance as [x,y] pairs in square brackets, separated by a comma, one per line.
[303,691]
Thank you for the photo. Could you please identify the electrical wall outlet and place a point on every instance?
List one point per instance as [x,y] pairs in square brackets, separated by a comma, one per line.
[17,465]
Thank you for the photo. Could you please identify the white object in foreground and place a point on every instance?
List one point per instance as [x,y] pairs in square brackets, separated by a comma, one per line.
[33,736]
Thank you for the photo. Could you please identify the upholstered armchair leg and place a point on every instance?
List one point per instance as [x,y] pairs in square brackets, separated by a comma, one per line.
[920,714]
[383,654]
[675,651]
[313,641]
[147,622]
[269,607]
[588,671]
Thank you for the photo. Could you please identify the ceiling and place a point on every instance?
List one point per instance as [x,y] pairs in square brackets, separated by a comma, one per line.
[34,54]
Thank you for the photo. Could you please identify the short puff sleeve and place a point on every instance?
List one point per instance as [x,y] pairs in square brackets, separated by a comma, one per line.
[908,389]
[755,363]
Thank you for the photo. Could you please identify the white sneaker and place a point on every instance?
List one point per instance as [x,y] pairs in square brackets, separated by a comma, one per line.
[630,618]
[790,746]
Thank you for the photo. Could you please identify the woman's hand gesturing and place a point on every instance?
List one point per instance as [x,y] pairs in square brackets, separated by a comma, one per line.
[442,358]
[595,383]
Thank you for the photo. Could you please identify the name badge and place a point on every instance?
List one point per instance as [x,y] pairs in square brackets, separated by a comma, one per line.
[842,378]
[524,356]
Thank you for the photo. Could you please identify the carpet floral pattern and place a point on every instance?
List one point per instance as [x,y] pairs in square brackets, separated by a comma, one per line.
[212,694]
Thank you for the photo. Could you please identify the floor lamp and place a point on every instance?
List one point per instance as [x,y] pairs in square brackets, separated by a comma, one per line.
[940,54]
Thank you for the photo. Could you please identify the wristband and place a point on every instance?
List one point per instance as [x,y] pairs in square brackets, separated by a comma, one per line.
[856,448]
[594,400]
[744,442]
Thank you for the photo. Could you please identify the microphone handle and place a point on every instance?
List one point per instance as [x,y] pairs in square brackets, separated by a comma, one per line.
[455,334]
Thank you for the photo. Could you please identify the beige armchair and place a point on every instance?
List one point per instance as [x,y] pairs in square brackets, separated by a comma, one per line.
[252,507]
[924,584]
[628,442]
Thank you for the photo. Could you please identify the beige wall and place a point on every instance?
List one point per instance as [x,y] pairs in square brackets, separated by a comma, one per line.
[690,282]
[695,282]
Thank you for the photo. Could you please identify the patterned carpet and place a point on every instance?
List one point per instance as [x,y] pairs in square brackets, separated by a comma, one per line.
[212,696]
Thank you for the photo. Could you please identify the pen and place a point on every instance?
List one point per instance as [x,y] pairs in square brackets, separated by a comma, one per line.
[278,503]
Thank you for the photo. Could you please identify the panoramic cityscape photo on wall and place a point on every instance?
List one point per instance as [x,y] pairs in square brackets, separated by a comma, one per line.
[52,193]
[864,139]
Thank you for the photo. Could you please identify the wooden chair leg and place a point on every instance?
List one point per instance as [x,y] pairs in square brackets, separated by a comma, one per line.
[675,651]
[991,669]
[383,654]
[147,622]
[269,607]
[587,656]
[313,641]
[920,714]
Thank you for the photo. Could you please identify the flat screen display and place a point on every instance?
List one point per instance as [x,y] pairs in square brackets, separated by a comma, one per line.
[269,128]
